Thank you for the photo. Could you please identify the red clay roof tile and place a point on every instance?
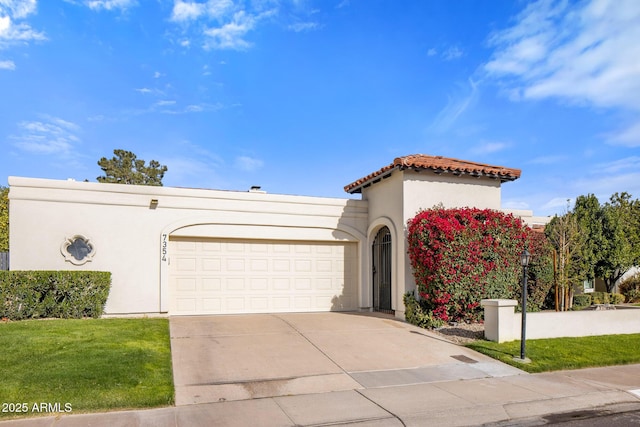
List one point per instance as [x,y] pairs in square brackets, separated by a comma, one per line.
[437,164]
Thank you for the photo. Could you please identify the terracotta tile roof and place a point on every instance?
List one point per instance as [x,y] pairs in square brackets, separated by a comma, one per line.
[437,164]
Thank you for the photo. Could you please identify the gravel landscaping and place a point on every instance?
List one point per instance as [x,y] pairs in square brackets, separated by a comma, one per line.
[462,333]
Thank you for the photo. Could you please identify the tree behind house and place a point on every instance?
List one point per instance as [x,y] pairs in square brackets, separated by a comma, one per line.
[564,234]
[126,168]
[596,240]
[621,229]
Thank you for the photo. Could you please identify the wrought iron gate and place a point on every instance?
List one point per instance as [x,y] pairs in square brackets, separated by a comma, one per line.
[381,256]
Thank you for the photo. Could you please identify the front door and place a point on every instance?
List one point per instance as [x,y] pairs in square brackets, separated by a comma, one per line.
[381,255]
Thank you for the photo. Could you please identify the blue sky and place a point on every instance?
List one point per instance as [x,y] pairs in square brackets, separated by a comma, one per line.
[306,96]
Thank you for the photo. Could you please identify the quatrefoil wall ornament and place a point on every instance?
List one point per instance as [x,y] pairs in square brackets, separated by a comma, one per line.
[77,250]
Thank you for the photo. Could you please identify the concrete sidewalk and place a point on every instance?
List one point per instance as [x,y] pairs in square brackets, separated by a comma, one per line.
[510,400]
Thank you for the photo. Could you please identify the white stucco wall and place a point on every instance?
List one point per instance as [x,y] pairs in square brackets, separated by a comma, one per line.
[429,189]
[503,324]
[127,233]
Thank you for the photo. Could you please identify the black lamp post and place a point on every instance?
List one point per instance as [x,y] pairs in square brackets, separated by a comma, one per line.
[525,256]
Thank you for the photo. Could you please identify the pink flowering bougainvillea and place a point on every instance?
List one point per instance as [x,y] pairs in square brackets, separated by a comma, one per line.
[460,256]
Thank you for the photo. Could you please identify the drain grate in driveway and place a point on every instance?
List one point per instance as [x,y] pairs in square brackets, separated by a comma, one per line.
[463,358]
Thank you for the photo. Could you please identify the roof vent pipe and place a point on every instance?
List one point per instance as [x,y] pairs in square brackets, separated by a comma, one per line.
[256,189]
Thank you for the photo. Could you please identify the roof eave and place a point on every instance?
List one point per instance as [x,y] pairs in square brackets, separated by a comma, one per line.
[357,189]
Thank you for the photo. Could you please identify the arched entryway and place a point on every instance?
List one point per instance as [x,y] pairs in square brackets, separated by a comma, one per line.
[381,271]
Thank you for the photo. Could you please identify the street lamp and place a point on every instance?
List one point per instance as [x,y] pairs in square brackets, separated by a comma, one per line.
[525,256]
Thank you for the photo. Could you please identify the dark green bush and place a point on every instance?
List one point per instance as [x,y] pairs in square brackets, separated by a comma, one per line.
[581,301]
[61,294]
[417,314]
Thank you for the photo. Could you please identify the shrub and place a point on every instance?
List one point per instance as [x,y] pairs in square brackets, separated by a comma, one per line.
[460,256]
[540,271]
[600,297]
[581,301]
[418,315]
[630,288]
[633,296]
[616,298]
[63,294]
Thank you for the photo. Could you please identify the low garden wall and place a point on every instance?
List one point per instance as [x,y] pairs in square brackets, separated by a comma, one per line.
[502,323]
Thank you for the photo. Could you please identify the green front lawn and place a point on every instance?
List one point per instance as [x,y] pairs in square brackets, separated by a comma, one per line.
[566,353]
[87,365]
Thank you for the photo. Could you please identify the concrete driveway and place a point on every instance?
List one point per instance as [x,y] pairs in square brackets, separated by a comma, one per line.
[237,357]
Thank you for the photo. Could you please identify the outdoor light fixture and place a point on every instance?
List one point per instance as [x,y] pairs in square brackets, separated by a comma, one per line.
[153,204]
[525,257]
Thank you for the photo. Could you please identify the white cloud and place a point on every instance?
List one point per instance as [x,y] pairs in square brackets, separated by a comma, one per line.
[7,65]
[629,137]
[110,4]
[12,31]
[343,3]
[150,91]
[248,164]
[628,163]
[455,107]
[194,108]
[490,147]
[547,160]
[303,26]
[164,103]
[18,8]
[219,8]
[584,53]
[231,35]
[5,24]
[187,11]
[172,107]
[223,24]
[51,135]
[452,53]
[432,52]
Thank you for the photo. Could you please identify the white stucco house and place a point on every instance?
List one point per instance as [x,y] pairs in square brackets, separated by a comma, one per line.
[183,251]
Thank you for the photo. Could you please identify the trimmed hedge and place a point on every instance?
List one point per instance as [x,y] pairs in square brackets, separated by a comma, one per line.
[581,301]
[607,298]
[58,294]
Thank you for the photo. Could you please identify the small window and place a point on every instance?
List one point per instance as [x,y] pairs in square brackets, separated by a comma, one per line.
[77,250]
[589,285]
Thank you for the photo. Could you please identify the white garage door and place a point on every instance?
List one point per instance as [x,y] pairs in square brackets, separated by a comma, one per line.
[252,276]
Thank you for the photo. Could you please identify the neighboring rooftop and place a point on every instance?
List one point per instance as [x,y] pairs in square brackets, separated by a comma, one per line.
[438,165]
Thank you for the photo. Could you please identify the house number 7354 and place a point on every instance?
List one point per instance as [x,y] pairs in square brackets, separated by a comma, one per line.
[163,248]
